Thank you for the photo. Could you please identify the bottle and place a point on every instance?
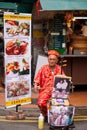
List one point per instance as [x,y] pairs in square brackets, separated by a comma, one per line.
[41,122]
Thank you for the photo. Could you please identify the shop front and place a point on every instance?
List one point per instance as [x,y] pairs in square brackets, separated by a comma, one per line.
[64,22]
[54,27]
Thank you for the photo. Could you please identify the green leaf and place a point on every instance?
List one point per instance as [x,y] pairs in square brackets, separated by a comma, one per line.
[23,60]
[18,43]
[14,71]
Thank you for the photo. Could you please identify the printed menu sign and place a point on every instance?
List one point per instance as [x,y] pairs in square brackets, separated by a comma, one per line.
[58,33]
[17,39]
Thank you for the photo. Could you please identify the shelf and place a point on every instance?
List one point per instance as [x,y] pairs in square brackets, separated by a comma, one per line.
[68,55]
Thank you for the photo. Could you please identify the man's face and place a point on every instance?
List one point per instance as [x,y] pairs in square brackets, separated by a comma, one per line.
[52,59]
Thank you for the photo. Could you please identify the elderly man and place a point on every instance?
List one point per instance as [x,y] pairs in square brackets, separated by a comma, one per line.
[44,80]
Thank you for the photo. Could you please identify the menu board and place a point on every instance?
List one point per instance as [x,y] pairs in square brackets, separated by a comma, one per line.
[56,41]
[58,23]
[17,39]
[58,35]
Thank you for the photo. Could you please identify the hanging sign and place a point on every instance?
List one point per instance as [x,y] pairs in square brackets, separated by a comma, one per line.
[17,39]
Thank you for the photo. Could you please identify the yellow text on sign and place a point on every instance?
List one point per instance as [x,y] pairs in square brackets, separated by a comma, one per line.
[19,101]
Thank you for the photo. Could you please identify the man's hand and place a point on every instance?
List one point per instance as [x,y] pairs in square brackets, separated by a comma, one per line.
[36,87]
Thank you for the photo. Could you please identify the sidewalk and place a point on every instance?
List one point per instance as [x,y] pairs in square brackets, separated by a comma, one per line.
[34,96]
[29,109]
[77,99]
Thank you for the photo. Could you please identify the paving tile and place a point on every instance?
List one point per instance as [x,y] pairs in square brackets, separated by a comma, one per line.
[76,98]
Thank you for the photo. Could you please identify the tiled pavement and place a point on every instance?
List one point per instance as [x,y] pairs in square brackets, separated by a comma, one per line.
[29,109]
[34,96]
[77,99]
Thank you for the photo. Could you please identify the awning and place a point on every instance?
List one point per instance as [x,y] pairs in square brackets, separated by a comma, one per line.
[19,6]
[54,5]
[8,5]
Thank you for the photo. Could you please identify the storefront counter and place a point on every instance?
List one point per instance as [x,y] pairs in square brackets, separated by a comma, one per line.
[76,68]
[79,42]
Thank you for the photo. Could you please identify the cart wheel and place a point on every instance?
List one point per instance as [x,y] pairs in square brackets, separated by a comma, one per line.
[72,126]
[51,128]
[65,128]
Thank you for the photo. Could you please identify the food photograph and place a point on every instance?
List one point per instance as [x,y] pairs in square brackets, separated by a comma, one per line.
[15,68]
[16,47]
[14,28]
[24,66]
[12,67]
[17,88]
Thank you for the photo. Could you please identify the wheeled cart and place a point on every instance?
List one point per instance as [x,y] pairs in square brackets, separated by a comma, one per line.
[69,127]
[61,117]
[60,112]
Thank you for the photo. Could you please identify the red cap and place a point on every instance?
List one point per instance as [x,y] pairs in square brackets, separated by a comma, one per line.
[53,52]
